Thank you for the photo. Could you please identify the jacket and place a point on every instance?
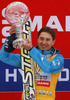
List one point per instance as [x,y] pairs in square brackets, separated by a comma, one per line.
[48,65]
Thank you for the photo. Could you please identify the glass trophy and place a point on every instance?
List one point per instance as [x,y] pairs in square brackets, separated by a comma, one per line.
[17,13]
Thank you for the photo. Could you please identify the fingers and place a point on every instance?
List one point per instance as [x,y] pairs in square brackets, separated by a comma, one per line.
[28,40]
[28,45]
[12,30]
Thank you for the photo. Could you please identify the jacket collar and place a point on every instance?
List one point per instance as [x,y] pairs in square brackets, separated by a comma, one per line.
[51,51]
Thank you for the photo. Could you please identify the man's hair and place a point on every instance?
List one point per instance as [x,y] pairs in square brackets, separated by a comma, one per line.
[49,30]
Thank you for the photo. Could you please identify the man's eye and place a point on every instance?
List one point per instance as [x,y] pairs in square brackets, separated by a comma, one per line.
[47,39]
[41,38]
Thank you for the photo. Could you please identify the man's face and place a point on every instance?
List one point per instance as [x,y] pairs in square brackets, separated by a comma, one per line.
[45,41]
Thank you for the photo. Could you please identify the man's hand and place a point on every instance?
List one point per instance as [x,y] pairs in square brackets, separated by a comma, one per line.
[27,46]
[13,29]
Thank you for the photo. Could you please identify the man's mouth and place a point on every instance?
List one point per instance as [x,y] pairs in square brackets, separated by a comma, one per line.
[44,46]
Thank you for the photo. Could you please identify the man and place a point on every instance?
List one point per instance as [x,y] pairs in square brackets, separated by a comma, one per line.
[48,63]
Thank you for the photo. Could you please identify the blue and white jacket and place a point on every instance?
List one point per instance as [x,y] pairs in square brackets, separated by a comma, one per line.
[53,66]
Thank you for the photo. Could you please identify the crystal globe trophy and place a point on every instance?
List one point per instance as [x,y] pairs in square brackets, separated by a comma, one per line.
[17,13]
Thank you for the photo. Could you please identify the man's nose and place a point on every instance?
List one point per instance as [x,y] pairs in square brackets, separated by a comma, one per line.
[44,42]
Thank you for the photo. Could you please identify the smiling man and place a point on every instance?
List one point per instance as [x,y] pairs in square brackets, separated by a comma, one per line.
[47,62]
[46,39]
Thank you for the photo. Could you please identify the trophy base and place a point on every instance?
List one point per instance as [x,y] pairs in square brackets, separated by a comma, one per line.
[18,43]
